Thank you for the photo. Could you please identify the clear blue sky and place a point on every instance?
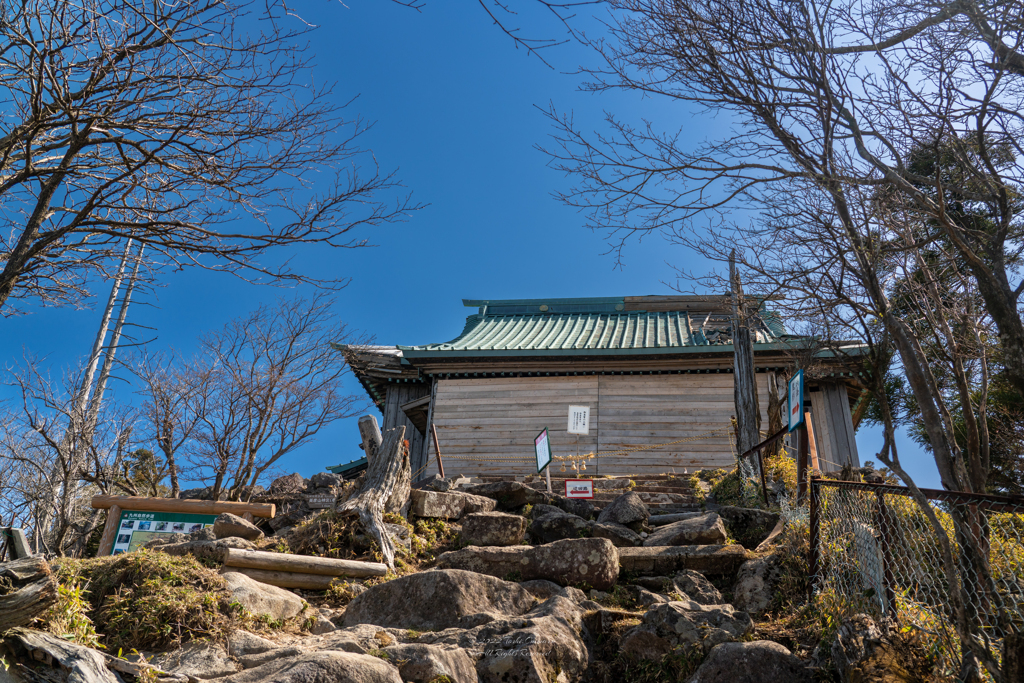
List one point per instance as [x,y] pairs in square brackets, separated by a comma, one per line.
[455,106]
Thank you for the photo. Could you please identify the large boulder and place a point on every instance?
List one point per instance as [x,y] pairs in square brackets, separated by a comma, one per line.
[262,599]
[749,526]
[324,481]
[320,667]
[545,647]
[434,600]
[687,625]
[493,528]
[555,526]
[620,536]
[418,663]
[477,503]
[509,495]
[197,659]
[228,525]
[626,509]
[755,584]
[760,661]
[574,506]
[695,586]
[666,560]
[591,561]
[707,529]
[290,483]
[241,643]
[437,505]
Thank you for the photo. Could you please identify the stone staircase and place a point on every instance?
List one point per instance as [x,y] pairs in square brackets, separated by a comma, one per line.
[663,493]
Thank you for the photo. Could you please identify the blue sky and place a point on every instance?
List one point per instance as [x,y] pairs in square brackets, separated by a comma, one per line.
[455,106]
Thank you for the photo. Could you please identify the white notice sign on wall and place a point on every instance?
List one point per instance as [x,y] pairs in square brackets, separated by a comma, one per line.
[579,419]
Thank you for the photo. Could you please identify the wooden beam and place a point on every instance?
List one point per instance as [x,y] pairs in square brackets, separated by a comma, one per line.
[302,564]
[199,507]
[313,582]
[109,530]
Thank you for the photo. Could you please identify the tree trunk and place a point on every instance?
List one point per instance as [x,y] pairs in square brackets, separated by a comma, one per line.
[381,482]
[33,591]
[748,418]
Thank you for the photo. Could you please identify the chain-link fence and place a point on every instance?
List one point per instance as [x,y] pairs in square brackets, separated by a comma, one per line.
[875,550]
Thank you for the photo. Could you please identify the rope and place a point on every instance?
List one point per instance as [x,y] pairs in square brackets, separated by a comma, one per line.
[624,451]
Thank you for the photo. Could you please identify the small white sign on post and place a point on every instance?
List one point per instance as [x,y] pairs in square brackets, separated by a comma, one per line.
[579,488]
[796,400]
[542,449]
[579,419]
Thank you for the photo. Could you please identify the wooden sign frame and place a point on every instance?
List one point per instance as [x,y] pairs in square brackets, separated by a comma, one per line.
[116,504]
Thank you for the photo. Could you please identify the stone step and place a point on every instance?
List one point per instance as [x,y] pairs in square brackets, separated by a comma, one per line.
[666,560]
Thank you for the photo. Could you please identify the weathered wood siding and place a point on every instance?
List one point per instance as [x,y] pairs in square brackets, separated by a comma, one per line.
[399,394]
[487,426]
[833,427]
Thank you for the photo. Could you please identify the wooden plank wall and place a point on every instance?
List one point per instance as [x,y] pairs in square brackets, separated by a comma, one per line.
[645,410]
[833,427]
[481,423]
[399,394]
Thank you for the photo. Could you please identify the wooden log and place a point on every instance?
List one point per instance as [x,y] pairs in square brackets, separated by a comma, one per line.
[109,530]
[314,582]
[81,664]
[382,475]
[302,564]
[34,591]
[199,507]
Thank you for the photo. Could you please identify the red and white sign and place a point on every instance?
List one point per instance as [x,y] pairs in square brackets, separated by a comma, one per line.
[579,488]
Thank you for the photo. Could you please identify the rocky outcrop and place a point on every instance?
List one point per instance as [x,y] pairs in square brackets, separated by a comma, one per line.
[665,561]
[241,643]
[419,663]
[755,584]
[437,505]
[685,624]
[228,525]
[556,526]
[627,509]
[289,483]
[759,661]
[749,526]
[477,503]
[574,506]
[493,528]
[592,561]
[262,599]
[197,659]
[620,536]
[320,667]
[695,586]
[510,495]
[706,529]
[435,600]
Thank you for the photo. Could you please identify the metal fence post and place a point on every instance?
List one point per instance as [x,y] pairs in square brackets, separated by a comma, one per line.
[814,522]
[803,452]
[884,541]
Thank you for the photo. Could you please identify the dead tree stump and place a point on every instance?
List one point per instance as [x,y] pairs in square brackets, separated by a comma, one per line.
[383,483]
[27,588]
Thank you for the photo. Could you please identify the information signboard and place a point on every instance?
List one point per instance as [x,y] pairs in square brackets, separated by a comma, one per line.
[542,449]
[579,419]
[579,488]
[796,400]
[137,528]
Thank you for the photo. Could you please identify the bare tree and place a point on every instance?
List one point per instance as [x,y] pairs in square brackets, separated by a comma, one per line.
[183,126]
[263,386]
[832,105]
[171,388]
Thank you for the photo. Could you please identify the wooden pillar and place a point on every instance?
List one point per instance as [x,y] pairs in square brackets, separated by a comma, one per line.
[109,531]
[370,433]
[801,463]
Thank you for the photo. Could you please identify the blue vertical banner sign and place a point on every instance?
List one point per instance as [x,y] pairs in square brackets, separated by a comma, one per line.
[796,400]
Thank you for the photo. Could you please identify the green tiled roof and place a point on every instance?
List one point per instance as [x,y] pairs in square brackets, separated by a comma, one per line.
[593,326]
